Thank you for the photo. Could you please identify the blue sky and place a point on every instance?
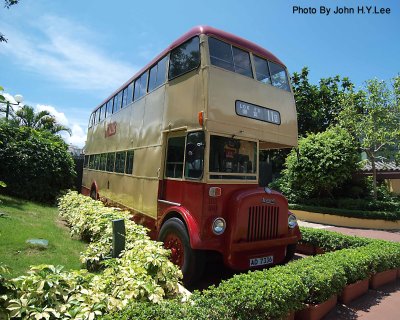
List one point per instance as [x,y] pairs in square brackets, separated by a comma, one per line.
[67,56]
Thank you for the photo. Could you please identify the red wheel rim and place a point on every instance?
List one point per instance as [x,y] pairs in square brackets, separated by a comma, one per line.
[174,243]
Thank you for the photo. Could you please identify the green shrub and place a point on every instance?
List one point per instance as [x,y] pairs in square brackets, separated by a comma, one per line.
[268,294]
[323,162]
[35,165]
[355,263]
[321,275]
[331,241]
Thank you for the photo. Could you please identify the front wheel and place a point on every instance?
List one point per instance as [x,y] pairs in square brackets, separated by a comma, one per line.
[175,237]
[290,251]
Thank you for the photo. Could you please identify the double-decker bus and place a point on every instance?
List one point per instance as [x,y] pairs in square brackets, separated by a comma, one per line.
[178,145]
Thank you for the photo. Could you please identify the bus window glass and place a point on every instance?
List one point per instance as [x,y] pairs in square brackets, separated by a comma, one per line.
[124,97]
[241,60]
[120,162]
[184,58]
[229,155]
[129,98]
[95,117]
[221,54]
[152,78]
[225,56]
[91,161]
[278,76]
[110,161]
[109,106]
[140,86]
[262,71]
[157,74]
[96,161]
[107,111]
[175,156]
[100,113]
[194,160]
[161,71]
[143,84]
[86,162]
[129,162]
[103,159]
[118,101]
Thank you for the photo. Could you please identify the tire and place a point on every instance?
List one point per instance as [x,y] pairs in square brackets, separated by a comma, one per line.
[175,237]
[290,251]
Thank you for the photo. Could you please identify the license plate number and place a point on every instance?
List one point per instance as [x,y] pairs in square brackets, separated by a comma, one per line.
[255,262]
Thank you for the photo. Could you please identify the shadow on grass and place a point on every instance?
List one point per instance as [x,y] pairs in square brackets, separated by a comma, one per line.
[15,203]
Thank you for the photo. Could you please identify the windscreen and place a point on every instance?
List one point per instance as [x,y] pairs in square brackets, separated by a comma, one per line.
[232,158]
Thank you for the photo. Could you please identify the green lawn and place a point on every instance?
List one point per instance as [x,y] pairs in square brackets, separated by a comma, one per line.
[22,220]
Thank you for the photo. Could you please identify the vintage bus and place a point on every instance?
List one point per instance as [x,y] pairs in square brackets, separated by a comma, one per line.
[178,145]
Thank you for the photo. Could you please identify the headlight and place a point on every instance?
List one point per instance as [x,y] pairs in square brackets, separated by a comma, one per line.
[292,221]
[218,226]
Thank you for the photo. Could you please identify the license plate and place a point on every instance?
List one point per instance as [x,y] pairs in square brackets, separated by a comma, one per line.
[256,262]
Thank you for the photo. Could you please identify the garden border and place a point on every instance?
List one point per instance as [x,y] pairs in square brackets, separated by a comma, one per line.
[341,221]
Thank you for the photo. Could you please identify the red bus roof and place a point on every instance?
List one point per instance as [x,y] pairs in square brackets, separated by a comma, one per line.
[229,37]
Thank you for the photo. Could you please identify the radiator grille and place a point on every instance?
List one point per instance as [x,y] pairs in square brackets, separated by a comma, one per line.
[263,223]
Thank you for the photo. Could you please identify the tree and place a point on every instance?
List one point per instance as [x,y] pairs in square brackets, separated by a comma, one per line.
[318,105]
[324,161]
[373,116]
[42,120]
[7,4]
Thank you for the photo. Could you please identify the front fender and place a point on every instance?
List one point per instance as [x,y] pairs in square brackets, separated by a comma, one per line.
[191,224]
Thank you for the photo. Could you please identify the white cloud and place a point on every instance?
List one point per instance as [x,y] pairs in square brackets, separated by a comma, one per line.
[77,138]
[63,50]
[78,135]
[60,116]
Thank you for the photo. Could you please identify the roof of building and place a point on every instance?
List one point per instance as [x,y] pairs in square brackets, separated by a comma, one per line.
[381,166]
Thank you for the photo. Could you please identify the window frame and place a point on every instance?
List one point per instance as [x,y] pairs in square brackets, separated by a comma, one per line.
[234,66]
[168,78]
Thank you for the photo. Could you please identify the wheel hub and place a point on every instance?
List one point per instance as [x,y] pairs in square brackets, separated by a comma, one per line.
[174,243]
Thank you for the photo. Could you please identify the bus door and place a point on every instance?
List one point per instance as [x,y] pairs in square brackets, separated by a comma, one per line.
[184,166]
[171,185]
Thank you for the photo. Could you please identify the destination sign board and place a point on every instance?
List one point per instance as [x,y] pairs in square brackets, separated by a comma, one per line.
[253,111]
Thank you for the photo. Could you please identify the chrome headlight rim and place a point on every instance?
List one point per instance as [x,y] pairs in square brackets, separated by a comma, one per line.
[292,221]
[218,226]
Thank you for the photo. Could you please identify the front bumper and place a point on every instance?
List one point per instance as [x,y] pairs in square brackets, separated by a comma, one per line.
[240,254]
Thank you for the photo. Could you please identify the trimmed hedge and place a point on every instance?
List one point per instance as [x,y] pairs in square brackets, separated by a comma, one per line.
[330,240]
[275,292]
[351,213]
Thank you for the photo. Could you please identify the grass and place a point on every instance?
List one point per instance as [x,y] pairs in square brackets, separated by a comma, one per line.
[22,220]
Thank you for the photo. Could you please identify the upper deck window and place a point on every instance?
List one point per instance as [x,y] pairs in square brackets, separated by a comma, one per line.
[271,73]
[140,86]
[262,70]
[158,74]
[184,58]
[229,57]
[278,76]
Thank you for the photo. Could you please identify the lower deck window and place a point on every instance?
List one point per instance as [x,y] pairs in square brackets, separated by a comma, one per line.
[175,157]
[232,158]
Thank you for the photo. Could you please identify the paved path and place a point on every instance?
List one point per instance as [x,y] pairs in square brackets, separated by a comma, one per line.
[392,235]
[383,303]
